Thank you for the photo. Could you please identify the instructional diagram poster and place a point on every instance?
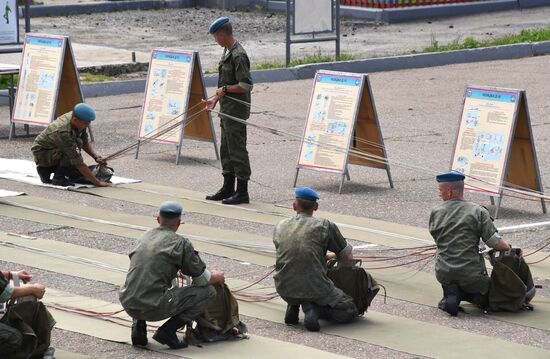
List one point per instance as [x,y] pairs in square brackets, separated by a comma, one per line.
[166,94]
[8,22]
[39,79]
[330,121]
[483,138]
[310,18]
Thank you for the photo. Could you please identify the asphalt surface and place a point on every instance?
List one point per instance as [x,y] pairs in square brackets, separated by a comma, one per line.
[418,112]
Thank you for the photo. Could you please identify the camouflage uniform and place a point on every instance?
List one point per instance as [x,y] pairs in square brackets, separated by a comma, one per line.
[457,226]
[26,329]
[234,68]
[301,271]
[59,144]
[148,293]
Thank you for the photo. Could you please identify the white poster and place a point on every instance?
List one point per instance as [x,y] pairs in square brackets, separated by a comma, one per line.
[312,16]
[8,22]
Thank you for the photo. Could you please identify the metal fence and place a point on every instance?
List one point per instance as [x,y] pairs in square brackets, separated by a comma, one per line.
[400,3]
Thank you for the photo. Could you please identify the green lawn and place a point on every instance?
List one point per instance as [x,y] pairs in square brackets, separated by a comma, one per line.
[525,36]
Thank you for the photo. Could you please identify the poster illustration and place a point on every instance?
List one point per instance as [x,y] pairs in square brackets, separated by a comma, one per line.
[166,94]
[484,137]
[330,121]
[39,79]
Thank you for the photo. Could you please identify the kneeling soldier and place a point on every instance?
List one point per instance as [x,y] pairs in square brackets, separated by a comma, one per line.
[302,243]
[58,149]
[457,226]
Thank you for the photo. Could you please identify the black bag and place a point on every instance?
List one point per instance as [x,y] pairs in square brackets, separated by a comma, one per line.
[220,321]
[512,287]
[33,320]
[102,173]
[355,281]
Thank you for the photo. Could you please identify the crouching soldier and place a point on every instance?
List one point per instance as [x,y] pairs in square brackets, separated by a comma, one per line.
[25,329]
[457,227]
[148,293]
[58,149]
[302,244]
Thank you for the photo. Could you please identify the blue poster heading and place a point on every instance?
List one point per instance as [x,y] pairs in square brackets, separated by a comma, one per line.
[491,95]
[43,41]
[340,80]
[170,56]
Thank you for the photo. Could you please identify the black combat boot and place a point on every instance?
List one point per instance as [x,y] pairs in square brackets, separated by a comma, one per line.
[166,334]
[59,178]
[451,299]
[227,190]
[45,173]
[291,315]
[139,333]
[241,196]
[311,320]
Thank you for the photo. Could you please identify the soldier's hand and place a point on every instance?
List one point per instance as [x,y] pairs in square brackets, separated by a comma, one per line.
[220,92]
[210,104]
[101,161]
[104,184]
[217,277]
[24,276]
[38,290]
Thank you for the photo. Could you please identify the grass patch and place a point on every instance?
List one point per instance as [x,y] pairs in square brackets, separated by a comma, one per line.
[84,77]
[88,77]
[525,36]
[314,58]
[5,81]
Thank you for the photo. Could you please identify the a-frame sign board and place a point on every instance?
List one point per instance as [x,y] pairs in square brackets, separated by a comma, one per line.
[494,146]
[341,117]
[174,91]
[49,84]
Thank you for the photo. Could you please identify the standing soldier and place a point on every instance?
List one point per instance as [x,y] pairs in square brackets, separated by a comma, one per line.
[233,92]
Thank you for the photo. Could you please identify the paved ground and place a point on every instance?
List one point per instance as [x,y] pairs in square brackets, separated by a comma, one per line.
[119,34]
[418,112]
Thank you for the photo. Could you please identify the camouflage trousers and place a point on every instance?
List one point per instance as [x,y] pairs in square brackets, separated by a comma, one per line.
[186,302]
[51,158]
[343,311]
[475,280]
[233,152]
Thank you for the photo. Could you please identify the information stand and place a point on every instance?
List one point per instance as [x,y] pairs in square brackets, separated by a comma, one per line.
[49,85]
[305,22]
[341,117]
[494,146]
[174,92]
[9,23]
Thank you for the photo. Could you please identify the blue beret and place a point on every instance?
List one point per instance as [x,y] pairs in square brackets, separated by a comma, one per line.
[451,176]
[170,209]
[306,193]
[84,112]
[217,23]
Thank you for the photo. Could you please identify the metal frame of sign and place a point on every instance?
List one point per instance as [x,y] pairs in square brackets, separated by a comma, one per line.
[521,96]
[333,10]
[64,48]
[195,61]
[345,171]
[290,21]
